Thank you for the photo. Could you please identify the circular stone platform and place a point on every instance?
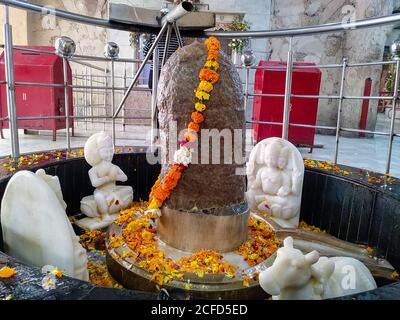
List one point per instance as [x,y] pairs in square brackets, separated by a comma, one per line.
[123,267]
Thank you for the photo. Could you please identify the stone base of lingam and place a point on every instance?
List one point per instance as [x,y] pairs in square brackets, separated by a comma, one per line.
[222,229]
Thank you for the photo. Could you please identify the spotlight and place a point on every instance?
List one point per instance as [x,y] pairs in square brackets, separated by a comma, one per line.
[111,50]
[248,58]
[65,47]
[395,49]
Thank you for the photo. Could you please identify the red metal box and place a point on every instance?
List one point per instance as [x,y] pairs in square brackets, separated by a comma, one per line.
[34,101]
[270,109]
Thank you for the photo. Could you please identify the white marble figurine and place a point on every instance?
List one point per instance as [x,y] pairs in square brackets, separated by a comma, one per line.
[275,174]
[295,276]
[36,229]
[108,199]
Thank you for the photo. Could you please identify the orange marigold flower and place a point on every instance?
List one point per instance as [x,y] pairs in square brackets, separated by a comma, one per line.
[171,179]
[194,126]
[178,167]
[7,272]
[213,55]
[160,194]
[212,43]
[197,117]
[156,185]
[209,75]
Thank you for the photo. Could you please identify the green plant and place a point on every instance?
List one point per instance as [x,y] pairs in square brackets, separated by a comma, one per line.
[239,45]
[390,72]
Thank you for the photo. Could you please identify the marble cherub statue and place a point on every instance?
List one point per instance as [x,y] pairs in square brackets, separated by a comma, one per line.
[108,198]
[36,229]
[295,276]
[275,174]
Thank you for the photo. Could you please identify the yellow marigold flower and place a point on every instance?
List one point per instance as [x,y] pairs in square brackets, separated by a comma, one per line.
[246,281]
[58,273]
[212,64]
[214,268]
[201,95]
[205,86]
[200,107]
[146,235]
[193,264]
[153,205]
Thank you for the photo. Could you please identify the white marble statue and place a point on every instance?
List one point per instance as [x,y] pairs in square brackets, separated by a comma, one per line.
[275,174]
[36,229]
[295,276]
[108,198]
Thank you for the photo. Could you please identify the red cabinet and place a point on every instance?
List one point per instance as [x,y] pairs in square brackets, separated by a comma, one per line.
[34,101]
[270,109]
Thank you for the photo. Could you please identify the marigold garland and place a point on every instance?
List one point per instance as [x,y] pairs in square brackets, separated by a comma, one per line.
[197,117]
[208,76]
[200,107]
[194,126]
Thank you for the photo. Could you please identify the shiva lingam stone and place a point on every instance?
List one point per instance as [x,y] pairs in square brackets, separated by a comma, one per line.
[207,209]
[275,174]
[36,229]
[108,199]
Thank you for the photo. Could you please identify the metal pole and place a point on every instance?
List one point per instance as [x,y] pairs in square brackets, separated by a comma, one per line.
[178,34]
[288,92]
[246,98]
[91,95]
[113,99]
[82,103]
[86,64]
[123,110]
[140,70]
[167,41]
[339,114]
[86,97]
[154,98]
[66,94]
[105,95]
[10,87]
[393,119]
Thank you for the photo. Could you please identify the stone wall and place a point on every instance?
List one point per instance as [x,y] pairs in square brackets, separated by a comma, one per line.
[18,20]
[363,46]
[90,40]
[356,45]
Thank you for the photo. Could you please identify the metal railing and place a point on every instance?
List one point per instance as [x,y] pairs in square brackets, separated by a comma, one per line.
[167,27]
